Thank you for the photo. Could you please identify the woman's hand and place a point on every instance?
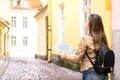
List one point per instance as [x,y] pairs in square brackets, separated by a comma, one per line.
[62,55]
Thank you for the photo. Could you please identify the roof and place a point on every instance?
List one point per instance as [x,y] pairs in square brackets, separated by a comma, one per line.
[4,22]
[41,10]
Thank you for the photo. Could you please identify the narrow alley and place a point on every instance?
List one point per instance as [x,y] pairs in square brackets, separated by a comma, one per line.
[34,69]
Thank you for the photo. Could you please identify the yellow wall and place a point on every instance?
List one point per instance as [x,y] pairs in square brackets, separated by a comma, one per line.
[103,8]
[5,14]
[71,14]
[54,18]
[72,22]
[72,19]
[1,41]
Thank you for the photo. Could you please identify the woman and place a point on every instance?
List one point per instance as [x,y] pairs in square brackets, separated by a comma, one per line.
[89,43]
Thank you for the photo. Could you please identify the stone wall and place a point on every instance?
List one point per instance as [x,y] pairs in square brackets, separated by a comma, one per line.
[116,48]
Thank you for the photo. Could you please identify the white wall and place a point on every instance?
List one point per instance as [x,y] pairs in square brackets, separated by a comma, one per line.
[19,50]
[116,14]
[5,9]
[116,35]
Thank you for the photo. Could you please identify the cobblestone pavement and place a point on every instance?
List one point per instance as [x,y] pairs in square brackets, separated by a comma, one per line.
[34,69]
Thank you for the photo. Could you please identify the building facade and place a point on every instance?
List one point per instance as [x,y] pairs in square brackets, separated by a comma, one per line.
[43,38]
[66,22]
[68,19]
[4,27]
[23,32]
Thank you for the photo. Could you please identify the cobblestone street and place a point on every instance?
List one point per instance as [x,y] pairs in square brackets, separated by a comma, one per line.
[34,69]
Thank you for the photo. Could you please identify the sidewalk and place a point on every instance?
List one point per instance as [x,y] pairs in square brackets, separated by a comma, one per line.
[34,69]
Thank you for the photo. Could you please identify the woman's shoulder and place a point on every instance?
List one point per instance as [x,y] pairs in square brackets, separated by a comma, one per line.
[87,37]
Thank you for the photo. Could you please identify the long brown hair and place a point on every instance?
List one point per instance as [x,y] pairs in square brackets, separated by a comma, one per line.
[97,30]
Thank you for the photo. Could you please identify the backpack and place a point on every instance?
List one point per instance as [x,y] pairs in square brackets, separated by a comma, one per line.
[105,59]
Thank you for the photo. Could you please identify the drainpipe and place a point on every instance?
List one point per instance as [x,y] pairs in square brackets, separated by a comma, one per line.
[50,30]
[5,37]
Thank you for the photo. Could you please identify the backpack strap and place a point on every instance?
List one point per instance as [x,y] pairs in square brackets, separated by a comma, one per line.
[89,58]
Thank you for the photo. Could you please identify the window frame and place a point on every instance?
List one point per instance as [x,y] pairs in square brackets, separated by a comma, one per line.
[85,11]
[61,24]
[25,41]
[13,21]
[25,22]
[13,40]
[24,4]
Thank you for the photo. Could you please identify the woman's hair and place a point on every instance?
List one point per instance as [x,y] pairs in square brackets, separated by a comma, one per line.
[97,30]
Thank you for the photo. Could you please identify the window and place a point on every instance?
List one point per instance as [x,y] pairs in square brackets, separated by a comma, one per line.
[20,4]
[14,3]
[44,2]
[24,3]
[62,24]
[25,41]
[84,13]
[13,39]
[13,22]
[24,22]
